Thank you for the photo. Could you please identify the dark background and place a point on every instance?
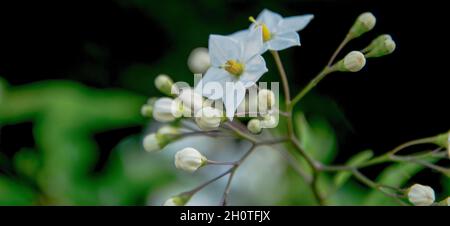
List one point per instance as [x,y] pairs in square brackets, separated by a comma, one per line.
[394,99]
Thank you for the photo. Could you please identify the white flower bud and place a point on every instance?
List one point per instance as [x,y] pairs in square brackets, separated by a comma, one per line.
[364,23]
[353,62]
[157,141]
[444,202]
[167,109]
[269,121]
[208,118]
[199,60]
[381,46]
[179,200]
[248,107]
[191,100]
[147,110]
[151,143]
[189,159]
[266,100]
[168,130]
[164,84]
[254,126]
[421,195]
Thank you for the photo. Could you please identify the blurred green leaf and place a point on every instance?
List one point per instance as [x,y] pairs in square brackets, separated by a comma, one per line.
[355,160]
[13,193]
[27,162]
[317,137]
[396,176]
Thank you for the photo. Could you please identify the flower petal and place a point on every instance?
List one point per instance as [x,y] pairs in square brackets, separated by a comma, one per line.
[271,19]
[212,83]
[254,69]
[252,44]
[294,23]
[239,35]
[284,41]
[223,48]
[234,95]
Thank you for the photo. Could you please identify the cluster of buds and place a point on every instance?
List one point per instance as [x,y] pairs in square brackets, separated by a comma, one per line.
[383,45]
[181,103]
[237,60]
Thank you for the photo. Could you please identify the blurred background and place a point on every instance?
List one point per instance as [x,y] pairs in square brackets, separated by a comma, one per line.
[74,74]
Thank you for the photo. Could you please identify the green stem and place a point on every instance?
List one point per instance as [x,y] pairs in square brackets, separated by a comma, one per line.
[287,95]
[242,134]
[310,86]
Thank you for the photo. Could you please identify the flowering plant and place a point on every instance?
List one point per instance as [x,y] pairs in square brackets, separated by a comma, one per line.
[228,101]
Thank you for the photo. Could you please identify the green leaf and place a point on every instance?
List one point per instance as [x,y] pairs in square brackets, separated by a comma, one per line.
[14,194]
[317,137]
[396,176]
[355,160]
[27,162]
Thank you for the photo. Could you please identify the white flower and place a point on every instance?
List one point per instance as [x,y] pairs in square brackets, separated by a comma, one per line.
[266,100]
[421,195]
[189,159]
[236,64]
[278,33]
[208,118]
[199,60]
[254,126]
[167,109]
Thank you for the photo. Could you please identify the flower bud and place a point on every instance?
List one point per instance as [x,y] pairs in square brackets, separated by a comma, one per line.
[254,126]
[167,109]
[352,62]
[269,121]
[266,100]
[364,23]
[248,107]
[192,101]
[179,200]
[157,141]
[151,143]
[189,159]
[420,195]
[445,202]
[381,46]
[164,84]
[199,60]
[147,110]
[208,118]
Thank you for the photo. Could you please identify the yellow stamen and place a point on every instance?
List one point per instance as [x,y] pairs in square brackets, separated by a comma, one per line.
[265,30]
[234,67]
